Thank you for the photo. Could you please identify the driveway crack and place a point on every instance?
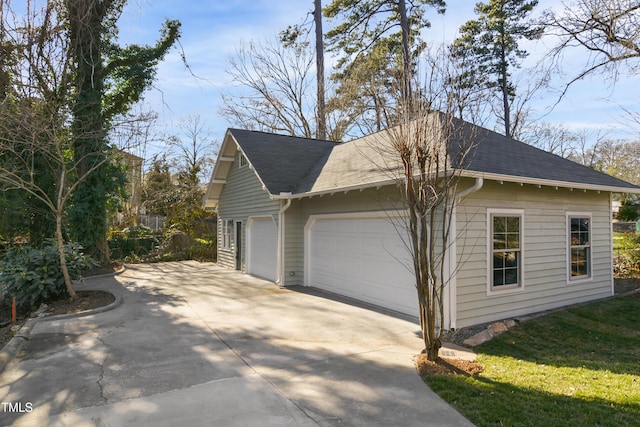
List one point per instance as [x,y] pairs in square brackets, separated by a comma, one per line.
[101,376]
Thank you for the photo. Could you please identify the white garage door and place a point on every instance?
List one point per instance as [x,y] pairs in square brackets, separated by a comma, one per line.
[362,258]
[262,248]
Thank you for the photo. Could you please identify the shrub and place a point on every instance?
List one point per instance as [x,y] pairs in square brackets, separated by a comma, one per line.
[178,246]
[132,243]
[627,213]
[627,255]
[34,276]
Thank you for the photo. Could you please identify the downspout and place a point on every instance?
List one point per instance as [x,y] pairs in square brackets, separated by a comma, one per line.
[450,296]
[280,254]
[475,187]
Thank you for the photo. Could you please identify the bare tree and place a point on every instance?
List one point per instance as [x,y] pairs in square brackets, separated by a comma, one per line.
[275,90]
[194,150]
[193,154]
[431,147]
[584,148]
[32,143]
[37,156]
[276,82]
[554,138]
[608,31]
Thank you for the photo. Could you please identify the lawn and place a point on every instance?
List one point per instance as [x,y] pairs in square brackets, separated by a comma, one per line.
[576,367]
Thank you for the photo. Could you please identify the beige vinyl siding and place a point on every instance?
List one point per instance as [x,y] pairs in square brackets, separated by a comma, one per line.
[368,200]
[242,197]
[545,246]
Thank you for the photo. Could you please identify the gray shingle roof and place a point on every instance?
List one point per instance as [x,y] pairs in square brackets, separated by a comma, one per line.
[307,166]
[498,155]
[282,161]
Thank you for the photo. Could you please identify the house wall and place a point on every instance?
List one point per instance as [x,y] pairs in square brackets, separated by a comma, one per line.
[242,197]
[545,247]
[369,200]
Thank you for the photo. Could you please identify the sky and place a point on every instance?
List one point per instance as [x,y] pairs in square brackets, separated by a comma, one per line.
[213,29]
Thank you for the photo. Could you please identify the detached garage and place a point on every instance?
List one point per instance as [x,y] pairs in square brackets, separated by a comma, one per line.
[361,256]
[301,211]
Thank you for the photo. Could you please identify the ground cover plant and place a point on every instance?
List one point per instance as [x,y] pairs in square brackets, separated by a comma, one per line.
[575,367]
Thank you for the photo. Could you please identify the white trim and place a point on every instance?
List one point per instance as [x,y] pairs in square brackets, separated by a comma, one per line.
[613,287]
[281,245]
[589,277]
[242,160]
[491,290]
[226,243]
[548,182]
[469,174]
[451,269]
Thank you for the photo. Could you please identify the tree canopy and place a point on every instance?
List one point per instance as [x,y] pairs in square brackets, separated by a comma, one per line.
[490,45]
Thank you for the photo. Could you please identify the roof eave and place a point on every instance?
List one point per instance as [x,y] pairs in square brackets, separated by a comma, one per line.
[550,183]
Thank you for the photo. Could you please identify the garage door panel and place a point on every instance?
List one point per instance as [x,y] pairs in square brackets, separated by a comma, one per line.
[362,258]
[262,247]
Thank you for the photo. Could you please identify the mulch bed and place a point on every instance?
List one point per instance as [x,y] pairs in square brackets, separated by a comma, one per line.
[444,366]
[88,301]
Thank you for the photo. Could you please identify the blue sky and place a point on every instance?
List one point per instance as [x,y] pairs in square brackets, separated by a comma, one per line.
[212,30]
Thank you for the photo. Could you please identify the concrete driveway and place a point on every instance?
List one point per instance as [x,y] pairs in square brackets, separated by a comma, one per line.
[193,344]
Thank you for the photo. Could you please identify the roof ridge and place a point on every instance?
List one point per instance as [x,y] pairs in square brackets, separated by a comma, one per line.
[283,135]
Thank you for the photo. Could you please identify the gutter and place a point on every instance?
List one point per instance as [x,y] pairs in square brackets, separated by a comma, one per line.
[475,187]
[280,250]
[551,183]
[450,298]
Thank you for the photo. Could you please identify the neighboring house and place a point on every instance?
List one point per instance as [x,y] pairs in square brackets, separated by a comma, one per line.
[131,205]
[532,232]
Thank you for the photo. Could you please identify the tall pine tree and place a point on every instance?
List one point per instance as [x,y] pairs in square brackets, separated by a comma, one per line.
[378,41]
[489,48]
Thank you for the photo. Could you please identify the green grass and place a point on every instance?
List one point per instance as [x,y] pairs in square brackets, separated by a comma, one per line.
[576,367]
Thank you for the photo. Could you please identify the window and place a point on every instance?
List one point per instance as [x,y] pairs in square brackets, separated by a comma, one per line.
[505,250]
[227,233]
[242,161]
[579,226]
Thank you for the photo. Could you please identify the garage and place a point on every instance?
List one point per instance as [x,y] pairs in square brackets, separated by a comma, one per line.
[362,258]
[262,245]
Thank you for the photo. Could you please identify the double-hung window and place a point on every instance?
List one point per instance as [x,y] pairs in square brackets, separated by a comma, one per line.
[227,233]
[505,249]
[579,254]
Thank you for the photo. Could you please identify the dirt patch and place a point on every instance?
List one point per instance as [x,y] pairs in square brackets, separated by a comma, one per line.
[444,366]
[88,300]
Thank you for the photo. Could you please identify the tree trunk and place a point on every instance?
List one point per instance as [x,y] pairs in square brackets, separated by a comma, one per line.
[504,71]
[406,53]
[89,216]
[321,131]
[60,238]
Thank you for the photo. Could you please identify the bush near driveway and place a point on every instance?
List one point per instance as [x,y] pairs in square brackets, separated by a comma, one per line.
[33,275]
[576,367]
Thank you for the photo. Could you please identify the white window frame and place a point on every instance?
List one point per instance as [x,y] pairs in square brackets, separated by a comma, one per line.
[570,246]
[502,289]
[228,228]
